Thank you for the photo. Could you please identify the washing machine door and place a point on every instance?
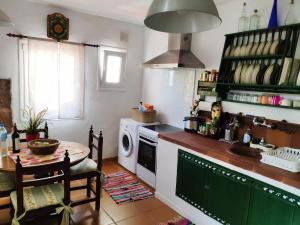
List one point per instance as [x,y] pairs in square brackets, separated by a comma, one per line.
[127,144]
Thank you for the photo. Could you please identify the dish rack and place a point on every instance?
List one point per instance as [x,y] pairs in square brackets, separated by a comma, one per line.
[284,158]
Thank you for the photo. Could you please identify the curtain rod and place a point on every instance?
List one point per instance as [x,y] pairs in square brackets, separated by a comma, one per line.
[48,39]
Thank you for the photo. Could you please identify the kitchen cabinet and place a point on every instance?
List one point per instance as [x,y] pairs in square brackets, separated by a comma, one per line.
[296,220]
[190,179]
[227,195]
[271,206]
[212,189]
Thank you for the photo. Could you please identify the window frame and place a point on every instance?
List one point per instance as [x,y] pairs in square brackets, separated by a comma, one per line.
[112,51]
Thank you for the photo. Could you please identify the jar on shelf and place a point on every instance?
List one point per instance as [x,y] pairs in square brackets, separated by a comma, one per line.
[254,20]
[244,19]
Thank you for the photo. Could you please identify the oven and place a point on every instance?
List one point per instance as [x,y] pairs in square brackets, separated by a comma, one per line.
[146,160]
[147,154]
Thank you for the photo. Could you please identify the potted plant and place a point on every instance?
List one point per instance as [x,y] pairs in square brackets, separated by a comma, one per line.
[33,122]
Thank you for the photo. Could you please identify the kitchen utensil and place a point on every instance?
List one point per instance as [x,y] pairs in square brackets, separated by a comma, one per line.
[286,102]
[296,104]
[276,100]
[265,99]
[191,123]
[284,158]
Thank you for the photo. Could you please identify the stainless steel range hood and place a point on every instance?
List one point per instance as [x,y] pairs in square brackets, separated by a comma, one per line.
[179,54]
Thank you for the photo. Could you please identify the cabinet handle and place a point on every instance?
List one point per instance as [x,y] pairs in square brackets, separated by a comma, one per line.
[206,187]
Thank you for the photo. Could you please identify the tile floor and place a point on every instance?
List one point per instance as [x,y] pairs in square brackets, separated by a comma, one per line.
[145,212]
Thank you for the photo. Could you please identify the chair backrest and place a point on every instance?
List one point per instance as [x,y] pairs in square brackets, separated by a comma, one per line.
[62,167]
[44,131]
[98,147]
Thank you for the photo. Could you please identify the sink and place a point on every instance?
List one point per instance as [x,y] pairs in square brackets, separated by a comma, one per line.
[244,150]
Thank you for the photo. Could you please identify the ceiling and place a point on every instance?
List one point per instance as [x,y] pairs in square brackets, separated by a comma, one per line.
[133,11]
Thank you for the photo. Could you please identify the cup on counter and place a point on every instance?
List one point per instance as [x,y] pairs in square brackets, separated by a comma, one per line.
[285,102]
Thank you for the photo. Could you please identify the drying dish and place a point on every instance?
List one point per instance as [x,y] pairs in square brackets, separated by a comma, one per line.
[254,49]
[243,73]
[275,74]
[237,74]
[248,49]
[261,73]
[260,48]
[248,74]
[274,47]
[237,51]
[256,70]
[284,158]
[267,47]
[243,50]
[227,51]
[268,74]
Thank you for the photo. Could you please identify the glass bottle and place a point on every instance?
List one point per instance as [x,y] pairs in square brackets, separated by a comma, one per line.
[15,139]
[290,16]
[244,19]
[254,20]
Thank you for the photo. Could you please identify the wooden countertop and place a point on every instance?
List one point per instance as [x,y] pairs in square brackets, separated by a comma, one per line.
[220,150]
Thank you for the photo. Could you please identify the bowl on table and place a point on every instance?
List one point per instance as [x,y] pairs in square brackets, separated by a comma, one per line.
[43,146]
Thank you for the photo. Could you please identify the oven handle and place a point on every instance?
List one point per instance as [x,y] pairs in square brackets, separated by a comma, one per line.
[148,142]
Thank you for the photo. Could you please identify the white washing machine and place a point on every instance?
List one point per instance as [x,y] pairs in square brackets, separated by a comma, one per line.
[128,143]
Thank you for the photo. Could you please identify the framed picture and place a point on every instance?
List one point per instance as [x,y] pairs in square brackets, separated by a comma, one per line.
[57,27]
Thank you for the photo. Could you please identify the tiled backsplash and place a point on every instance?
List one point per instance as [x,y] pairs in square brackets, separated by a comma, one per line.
[5,103]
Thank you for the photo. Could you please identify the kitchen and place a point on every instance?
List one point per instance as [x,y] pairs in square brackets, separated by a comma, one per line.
[171,91]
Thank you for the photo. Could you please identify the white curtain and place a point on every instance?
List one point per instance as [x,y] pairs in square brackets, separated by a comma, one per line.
[54,78]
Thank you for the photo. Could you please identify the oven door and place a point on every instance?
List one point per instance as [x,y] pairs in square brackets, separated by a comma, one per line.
[147,154]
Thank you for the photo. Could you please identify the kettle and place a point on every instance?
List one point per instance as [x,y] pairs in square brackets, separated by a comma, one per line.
[191,123]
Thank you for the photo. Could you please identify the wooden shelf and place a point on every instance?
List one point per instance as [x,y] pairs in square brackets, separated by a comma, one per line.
[273,106]
[261,88]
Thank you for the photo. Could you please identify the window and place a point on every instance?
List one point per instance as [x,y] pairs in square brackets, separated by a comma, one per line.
[52,76]
[112,68]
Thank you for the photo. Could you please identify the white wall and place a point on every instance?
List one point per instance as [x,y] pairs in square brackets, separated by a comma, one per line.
[102,109]
[208,47]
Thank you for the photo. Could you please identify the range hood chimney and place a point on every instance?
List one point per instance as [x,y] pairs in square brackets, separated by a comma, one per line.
[179,55]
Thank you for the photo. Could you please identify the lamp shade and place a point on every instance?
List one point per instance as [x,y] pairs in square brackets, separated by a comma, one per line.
[4,20]
[182,16]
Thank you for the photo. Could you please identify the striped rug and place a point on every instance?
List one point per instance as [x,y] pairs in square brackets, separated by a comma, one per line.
[122,187]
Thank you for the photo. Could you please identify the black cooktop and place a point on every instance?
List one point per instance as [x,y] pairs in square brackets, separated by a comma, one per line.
[161,128]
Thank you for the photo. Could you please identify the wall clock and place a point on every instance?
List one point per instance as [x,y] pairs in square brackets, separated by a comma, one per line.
[57,27]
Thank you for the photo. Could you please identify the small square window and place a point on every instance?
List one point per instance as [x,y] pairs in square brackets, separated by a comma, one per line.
[112,68]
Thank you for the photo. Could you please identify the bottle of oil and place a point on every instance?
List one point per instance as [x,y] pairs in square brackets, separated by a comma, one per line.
[15,140]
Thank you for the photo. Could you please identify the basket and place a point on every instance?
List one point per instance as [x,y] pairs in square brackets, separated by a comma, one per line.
[48,149]
[143,117]
[284,158]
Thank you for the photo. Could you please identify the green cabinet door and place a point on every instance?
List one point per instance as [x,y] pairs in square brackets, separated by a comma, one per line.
[227,195]
[190,179]
[271,206]
[296,220]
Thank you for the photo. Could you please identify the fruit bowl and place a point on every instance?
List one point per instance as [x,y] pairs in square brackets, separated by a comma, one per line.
[43,146]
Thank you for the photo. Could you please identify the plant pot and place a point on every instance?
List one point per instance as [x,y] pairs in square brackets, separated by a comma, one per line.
[30,137]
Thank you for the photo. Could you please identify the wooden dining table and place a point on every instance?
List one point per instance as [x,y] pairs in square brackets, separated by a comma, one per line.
[77,153]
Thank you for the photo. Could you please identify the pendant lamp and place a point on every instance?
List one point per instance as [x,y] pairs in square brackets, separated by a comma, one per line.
[4,20]
[182,16]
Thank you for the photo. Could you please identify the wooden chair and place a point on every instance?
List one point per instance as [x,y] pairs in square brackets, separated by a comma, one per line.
[89,170]
[40,198]
[7,185]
